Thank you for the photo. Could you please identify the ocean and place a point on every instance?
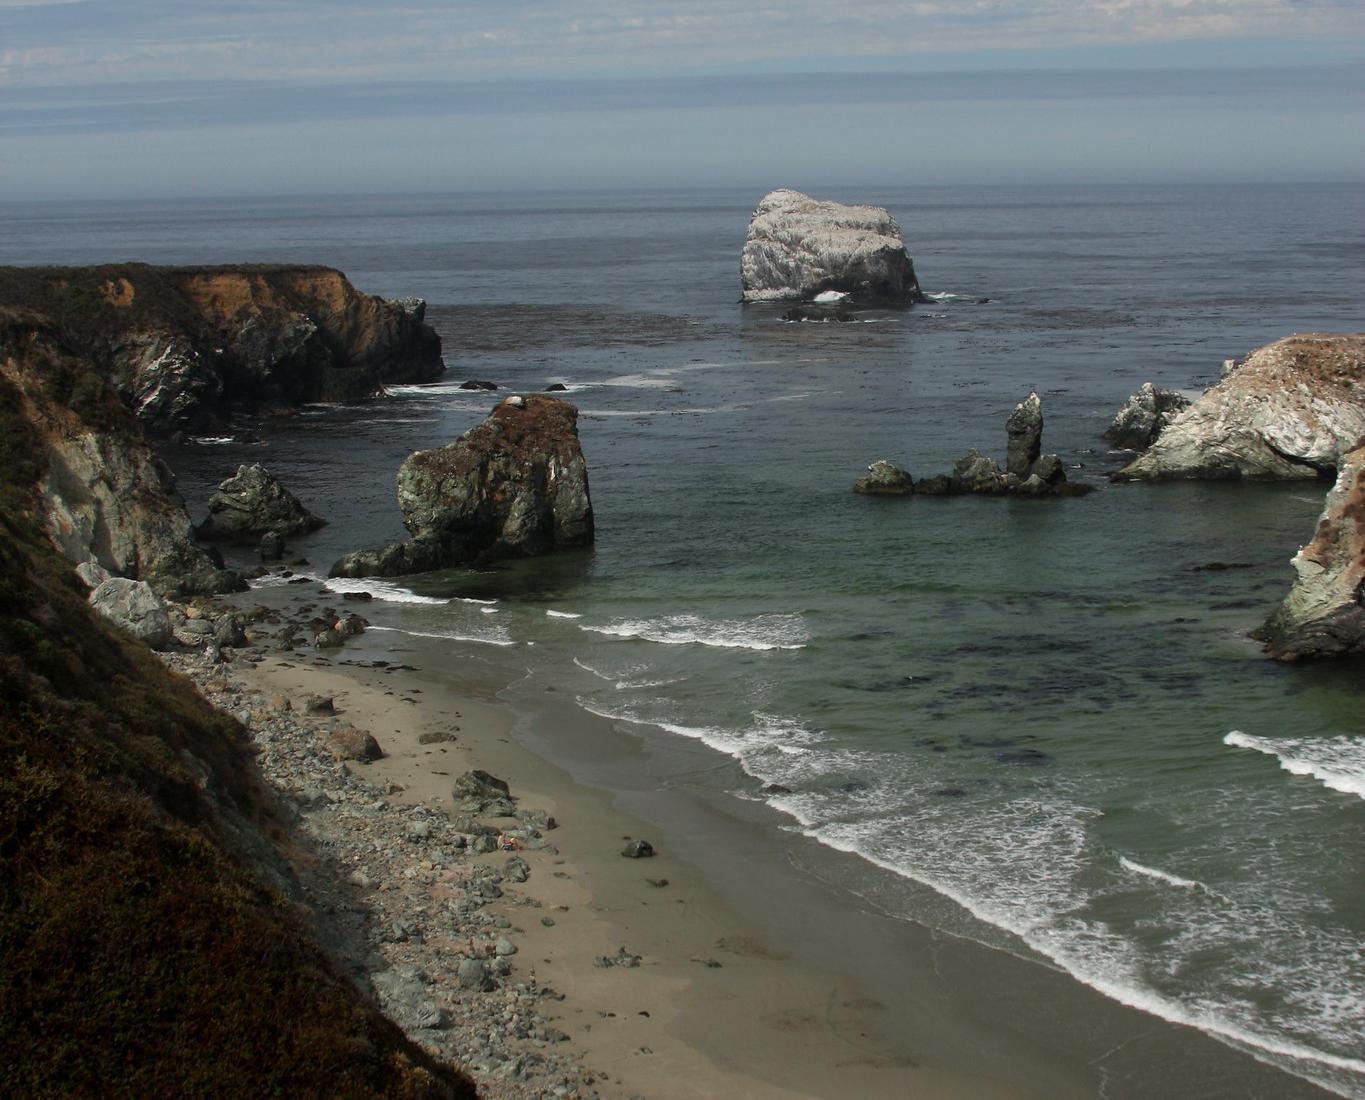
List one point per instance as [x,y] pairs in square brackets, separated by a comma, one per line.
[1039,724]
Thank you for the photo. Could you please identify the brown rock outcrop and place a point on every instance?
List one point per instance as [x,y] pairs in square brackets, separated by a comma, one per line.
[185,346]
[1324,613]
[514,486]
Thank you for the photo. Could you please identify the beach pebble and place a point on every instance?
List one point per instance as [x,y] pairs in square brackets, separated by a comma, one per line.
[638,849]
[419,830]
[516,869]
[504,947]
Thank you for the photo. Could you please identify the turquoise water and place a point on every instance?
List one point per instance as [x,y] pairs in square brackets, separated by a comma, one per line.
[1047,711]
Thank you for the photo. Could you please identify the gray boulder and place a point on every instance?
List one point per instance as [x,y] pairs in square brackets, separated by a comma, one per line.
[252,503]
[133,606]
[1289,413]
[1146,415]
[514,486]
[976,473]
[798,248]
[1324,613]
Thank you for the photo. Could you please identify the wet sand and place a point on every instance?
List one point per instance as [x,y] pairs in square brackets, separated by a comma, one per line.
[818,992]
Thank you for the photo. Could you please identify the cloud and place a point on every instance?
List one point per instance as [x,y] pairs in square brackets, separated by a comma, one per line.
[317,41]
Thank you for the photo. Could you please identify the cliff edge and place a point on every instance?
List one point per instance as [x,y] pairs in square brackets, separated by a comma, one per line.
[187,346]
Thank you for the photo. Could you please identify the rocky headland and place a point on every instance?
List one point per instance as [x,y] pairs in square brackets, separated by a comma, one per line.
[1290,411]
[1027,472]
[103,495]
[802,249]
[1324,613]
[514,486]
[185,347]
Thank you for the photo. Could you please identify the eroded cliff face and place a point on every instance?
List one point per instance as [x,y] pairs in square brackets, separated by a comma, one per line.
[104,494]
[1324,613]
[186,346]
[514,486]
[1289,412]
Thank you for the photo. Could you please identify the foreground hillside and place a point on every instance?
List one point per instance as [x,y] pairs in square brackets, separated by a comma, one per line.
[141,953]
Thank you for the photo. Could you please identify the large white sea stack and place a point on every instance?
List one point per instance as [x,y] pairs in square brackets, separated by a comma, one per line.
[798,248]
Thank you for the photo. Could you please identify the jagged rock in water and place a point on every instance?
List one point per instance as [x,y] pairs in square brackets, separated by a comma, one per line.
[1324,613]
[134,607]
[1146,415]
[185,346]
[798,248]
[1024,431]
[252,503]
[885,479]
[514,486]
[1288,413]
[976,473]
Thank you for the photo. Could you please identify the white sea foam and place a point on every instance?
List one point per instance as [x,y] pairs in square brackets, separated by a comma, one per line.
[379,589]
[563,615]
[1161,876]
[950,296]
[482,636]
[831,296]
[1336,762]
[278,580]
[214,440]
[488,610]
[763,632]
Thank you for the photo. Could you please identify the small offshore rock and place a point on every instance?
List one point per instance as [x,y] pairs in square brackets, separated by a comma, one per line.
[1144,417]
[272,546]
[885,479]
[253,502]
[1024,432]
[478,384]
[638,849]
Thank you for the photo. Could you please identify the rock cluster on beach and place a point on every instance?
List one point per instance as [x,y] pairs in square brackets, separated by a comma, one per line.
[514,486]
[798,248]
[1028,472]
[1324,613]
[1289,412]
[186,346]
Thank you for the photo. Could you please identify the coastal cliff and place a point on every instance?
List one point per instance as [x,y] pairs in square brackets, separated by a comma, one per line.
[102,493]
[187,346]
[150,946]
[1324,613]
[1288,413]
[798,248]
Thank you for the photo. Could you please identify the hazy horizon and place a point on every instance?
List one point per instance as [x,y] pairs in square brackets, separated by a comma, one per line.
[151,98]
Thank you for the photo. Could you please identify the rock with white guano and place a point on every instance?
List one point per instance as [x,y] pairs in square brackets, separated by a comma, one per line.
[799,248]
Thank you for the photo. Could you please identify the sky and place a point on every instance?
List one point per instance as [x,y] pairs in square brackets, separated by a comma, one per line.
[161,98]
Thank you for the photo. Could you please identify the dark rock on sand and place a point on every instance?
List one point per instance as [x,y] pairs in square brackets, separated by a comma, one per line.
[514,486]
[353,744]
[638,849]
[798,248]
[252,503]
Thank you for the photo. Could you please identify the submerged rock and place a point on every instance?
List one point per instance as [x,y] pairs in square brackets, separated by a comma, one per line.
[514,486]
[798,248]
[1288,413]
[253,503]
[1324,613]
[1147,414]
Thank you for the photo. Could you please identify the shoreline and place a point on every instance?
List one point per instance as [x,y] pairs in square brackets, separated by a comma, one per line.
[792,1010]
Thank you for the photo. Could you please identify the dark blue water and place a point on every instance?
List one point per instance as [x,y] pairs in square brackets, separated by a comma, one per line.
[1044,710]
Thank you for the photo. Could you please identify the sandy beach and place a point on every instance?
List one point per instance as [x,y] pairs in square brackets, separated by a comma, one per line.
[758,975]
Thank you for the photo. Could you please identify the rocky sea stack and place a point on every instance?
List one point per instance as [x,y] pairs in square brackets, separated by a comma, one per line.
[1288,413]
[514,486]
[1028,472]
[187,346]
[252,503]
[799,248]
[1324,613]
